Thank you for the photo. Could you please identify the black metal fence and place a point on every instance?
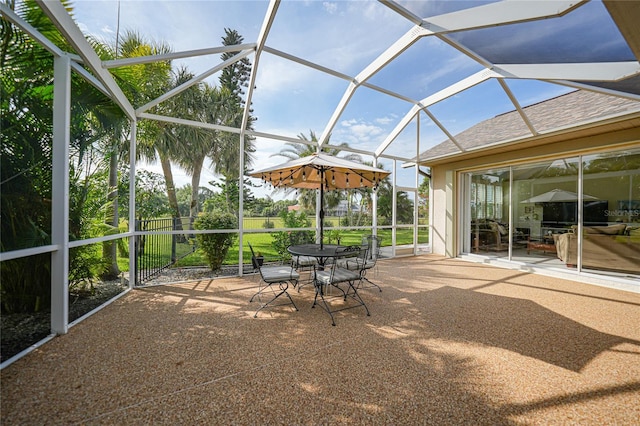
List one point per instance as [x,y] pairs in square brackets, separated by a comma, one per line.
[156,252]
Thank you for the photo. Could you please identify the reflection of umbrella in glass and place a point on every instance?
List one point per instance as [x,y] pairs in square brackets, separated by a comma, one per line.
[557,195]
[310,171]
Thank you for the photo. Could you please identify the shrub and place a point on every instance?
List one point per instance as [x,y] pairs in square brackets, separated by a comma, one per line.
[216,246]
[282,240]
[26,284]
[334,236]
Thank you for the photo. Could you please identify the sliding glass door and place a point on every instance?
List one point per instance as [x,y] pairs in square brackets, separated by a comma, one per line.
[611,231]
[489,213]
[544,213]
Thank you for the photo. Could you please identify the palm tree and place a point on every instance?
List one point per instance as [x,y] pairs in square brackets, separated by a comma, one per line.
[26,140]
[141,83]
[204,103]
[156,141]
[292,151]
[224,106]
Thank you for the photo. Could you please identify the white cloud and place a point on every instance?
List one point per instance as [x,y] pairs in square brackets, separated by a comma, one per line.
[330,7]
[348,123]
[83,28]
[276,75]
[358,134]
[365,131]
[384,121]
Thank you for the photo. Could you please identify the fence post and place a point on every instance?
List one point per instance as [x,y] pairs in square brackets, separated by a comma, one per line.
[173,240]
[136,275]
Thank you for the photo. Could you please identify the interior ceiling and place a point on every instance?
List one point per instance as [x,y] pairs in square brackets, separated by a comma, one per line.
[566,44]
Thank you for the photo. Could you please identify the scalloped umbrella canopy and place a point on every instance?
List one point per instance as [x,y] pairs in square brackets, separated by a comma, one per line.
[308,173]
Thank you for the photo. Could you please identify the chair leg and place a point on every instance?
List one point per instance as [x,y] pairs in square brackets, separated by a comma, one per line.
[260,290]
[371,283]
[283,290]
[325,305]
[357,297]
[295,282]
[320,290]
[311,270]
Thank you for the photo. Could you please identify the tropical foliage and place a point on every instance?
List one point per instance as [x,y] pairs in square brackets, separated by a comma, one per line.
[216,246]
[283,239]
[26,176]
[100,157]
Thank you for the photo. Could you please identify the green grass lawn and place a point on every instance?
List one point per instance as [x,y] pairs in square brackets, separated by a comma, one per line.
[261,242]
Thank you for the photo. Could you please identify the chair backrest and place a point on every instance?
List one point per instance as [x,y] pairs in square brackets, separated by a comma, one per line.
[340,273]
[254,260]
[363,255]
[348,251]
[373,243]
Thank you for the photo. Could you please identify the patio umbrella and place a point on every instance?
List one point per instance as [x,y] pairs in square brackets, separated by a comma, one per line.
[324,172]
[557,195]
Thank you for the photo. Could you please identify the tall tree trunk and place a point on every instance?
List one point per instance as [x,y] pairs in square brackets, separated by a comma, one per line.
[195,186]
[110,248]
[171,190]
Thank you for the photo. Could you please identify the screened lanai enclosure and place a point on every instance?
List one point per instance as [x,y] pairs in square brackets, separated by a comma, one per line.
[130,128]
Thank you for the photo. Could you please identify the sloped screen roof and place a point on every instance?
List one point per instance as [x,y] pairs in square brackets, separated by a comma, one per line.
[382,75]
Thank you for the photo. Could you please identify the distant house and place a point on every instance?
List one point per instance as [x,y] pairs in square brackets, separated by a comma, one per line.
[343,208]
[294,208]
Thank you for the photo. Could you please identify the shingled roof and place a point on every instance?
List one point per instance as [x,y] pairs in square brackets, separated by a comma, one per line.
[567,111]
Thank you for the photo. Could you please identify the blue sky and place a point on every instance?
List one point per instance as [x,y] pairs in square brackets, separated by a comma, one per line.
[346,36]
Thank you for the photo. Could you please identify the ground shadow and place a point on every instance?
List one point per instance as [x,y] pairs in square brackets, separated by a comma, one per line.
[518,325]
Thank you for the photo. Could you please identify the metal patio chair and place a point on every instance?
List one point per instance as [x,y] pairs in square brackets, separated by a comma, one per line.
[365,260]
[335,276]
[270,276]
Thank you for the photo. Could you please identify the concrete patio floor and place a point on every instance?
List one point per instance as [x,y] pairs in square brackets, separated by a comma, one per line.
[447,342]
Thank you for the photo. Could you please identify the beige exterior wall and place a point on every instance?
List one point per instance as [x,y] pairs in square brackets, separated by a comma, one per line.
[445,175]
[438,232]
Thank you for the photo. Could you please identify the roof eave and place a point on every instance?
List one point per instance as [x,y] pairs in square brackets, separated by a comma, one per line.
[541,138]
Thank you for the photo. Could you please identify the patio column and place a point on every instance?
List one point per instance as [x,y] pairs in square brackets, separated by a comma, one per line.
[451,214]
[394,205]
[241,202]
[318,218]
[132,205]
[60,195]
[374,205]
[416,204]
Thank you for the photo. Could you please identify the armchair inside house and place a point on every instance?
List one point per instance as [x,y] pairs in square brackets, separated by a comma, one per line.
[491,234]
[488,234]
[609,247]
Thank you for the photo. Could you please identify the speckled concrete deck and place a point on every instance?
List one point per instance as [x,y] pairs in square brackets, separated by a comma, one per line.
[447,342]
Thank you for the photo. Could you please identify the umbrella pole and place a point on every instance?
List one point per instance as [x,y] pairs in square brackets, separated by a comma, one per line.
[321,208]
